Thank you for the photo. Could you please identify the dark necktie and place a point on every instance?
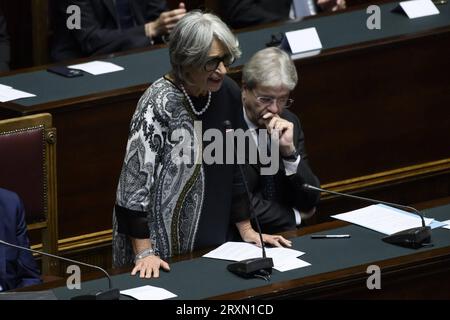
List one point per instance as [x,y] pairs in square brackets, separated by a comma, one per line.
[269,190]
[124,14]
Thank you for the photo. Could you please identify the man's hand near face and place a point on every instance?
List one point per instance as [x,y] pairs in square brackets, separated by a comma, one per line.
[285,130]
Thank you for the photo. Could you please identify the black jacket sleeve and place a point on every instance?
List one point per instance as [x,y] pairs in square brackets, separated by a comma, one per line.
[4,45]
[304,200]
[99,33]
[132,223]
[273,217]
[244,13]
[96,39]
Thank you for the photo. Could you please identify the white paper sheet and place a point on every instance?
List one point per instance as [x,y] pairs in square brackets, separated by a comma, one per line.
[436,224]
[383,219]
[447,226]
[305,54]
[291,264]
[97,67]
[419,8]
[283,258]
[282,252]
[149,293]
[234,251]
[8,93]
[304,40]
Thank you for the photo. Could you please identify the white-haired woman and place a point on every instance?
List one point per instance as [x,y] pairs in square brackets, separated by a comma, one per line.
[166,207]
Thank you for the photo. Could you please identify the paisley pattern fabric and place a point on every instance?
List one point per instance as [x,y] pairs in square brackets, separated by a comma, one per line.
[169,192]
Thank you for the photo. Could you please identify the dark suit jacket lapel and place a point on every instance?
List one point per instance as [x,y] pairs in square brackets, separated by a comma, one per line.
[109,4]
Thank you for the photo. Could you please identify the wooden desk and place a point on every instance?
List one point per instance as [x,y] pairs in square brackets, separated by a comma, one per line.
[373,104]
[342,274]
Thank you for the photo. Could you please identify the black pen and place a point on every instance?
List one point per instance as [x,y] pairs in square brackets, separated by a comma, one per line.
[329,236]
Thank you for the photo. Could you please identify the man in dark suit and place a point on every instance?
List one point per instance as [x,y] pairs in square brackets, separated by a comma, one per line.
[109,26]
[278,199]
[4,45]
[245,13]
[17,267]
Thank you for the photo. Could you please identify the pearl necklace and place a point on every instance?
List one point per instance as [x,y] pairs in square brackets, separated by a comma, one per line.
[198,113]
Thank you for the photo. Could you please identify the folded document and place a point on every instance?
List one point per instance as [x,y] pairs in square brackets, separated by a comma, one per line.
[284,259]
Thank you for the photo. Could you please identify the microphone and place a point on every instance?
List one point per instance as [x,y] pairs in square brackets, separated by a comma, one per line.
[110,294]
[254,267]
[410,238]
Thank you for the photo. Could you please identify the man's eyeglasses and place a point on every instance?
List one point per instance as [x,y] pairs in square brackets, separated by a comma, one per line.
[267,101]
[213,63]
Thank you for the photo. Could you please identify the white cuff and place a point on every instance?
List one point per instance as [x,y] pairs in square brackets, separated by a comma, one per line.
[291,167]
[298,217]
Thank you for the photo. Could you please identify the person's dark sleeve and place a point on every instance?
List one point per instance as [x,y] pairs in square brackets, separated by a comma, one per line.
[94,39]
[132,223]
[27,270]
[304,200]
[154,8]
[272,216]
[4,45]
[244,13]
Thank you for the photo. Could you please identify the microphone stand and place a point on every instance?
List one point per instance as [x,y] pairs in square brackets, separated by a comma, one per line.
[410,238]
[254,267]
[110,294]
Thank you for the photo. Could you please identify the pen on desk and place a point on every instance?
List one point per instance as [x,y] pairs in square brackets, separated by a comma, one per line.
[329,236]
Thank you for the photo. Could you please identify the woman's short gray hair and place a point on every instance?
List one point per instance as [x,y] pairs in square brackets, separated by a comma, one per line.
[270,67]
[191,40]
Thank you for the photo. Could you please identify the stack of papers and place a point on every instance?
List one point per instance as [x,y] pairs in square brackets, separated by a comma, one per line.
[446,224]
[385,219]
[148,293]
[97,67]
[284,259]
[8,93]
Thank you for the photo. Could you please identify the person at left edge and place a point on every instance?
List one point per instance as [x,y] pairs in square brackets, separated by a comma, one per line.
[166,207]
[17,267]
[109,26]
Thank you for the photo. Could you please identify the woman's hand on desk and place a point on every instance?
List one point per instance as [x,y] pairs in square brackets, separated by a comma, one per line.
[148,267]
[273,240]
[248,234]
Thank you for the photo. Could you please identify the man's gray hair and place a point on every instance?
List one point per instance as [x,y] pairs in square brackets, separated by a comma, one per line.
[270,67]
[191,40]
